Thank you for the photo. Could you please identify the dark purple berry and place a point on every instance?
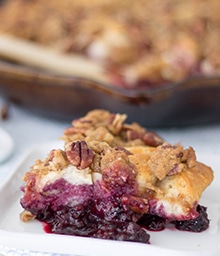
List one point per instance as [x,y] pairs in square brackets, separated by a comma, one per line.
[198,224]
[152,222]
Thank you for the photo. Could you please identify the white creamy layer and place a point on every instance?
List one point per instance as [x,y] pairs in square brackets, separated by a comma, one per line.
[70,174]
[169,210]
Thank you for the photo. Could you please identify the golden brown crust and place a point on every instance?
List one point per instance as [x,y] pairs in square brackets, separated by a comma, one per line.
[183,188]
[140,157]
[55,161]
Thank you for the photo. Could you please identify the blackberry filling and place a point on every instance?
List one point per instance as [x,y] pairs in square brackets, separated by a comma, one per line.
[198,224]
[109,219]
[156,223]
[152,222]
[92,220]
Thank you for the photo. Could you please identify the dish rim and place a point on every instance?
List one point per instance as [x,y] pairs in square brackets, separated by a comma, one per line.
[9,69]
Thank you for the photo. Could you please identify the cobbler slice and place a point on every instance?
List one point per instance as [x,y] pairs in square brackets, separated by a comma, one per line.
[115,180]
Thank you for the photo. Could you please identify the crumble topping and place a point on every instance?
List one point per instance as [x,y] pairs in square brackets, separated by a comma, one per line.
[103,126]
[138,42]
[173,159]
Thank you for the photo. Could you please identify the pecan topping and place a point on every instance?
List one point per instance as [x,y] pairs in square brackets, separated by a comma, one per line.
[79,154]
[26,216]
[149,138]
[152,139]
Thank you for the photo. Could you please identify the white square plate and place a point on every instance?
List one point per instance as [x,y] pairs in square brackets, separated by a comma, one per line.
[30,236]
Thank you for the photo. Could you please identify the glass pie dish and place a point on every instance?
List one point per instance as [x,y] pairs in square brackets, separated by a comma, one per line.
[118,50]
[190,102]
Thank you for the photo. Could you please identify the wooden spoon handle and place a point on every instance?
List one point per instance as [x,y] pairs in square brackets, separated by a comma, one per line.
[35,55]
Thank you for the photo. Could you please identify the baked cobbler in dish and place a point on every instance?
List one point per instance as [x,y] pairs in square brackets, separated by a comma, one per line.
[116,180]
[138,43]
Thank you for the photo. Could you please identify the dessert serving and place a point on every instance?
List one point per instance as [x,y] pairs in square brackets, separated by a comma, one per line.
[114,180]
[136,42]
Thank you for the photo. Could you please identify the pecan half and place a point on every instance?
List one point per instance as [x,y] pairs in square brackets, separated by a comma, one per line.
[152,139]
[149,138]
[79,154]
[26,216]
